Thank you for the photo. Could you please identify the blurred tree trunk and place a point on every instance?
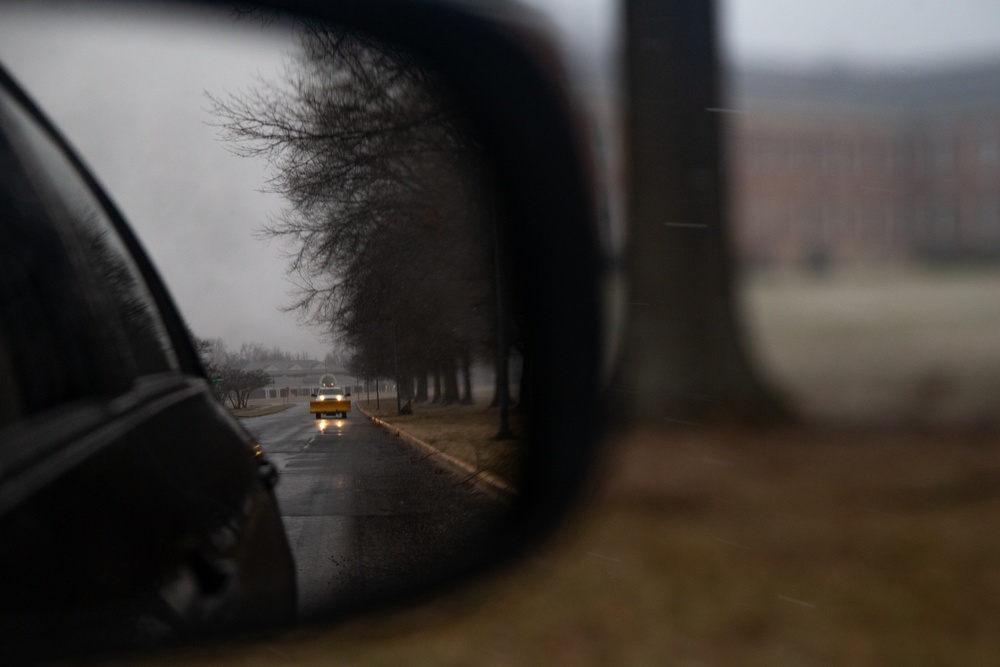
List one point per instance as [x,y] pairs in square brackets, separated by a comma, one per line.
[467,378]
[683,354]
[421,396]
[523,399]
[450,379]
[437,384]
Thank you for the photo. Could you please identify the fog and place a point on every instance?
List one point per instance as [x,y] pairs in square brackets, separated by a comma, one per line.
[860,32]
[131,97]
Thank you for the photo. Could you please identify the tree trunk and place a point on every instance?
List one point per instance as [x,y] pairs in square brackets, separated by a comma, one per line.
[501,384]
[683,351]
[399,379]
[467,379]
[437,384]
[421,395]
[450,373]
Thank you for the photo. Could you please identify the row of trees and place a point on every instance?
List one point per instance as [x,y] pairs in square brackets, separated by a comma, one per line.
[231,379]
[216,351]
[361,139]
[389,216]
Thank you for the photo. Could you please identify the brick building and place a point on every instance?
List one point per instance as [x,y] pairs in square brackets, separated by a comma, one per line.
[852,166]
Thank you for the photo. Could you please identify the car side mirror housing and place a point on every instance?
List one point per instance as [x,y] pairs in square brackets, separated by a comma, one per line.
[539,304]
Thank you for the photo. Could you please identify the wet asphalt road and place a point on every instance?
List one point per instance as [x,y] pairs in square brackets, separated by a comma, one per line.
[366,515]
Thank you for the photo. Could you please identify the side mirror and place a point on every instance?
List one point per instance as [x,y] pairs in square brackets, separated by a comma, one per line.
[481,283]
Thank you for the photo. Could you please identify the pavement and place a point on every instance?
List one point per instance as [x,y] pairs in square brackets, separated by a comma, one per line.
[367,516]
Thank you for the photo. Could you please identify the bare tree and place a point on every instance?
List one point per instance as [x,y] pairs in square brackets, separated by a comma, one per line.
[388,206]
[238,384]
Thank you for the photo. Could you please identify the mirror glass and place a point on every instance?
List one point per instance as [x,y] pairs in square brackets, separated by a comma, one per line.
[320,208]
[863,148]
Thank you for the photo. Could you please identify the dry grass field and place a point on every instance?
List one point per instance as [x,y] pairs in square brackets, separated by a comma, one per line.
[904,345]
[864,539]
[463,431]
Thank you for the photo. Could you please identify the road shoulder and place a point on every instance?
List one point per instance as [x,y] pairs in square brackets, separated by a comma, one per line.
[483,480]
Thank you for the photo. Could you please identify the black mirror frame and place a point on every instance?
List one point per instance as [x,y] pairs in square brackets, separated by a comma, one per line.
[509,77]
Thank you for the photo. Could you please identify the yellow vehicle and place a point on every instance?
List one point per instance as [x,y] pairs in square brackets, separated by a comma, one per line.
[330,401]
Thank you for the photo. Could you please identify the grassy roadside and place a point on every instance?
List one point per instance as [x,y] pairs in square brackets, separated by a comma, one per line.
[901,344]
[463,431]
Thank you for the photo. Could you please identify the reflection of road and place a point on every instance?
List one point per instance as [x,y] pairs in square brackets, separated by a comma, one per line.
[364,511]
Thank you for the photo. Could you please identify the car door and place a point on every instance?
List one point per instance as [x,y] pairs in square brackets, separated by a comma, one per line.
[131,506]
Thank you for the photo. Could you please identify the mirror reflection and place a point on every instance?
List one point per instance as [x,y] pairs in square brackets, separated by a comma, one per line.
[320,208]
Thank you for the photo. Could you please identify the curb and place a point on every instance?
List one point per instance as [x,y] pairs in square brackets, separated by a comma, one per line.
[487,482]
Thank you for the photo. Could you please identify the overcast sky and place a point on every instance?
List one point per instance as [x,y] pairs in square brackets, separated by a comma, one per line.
[131,97]
[868,32]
